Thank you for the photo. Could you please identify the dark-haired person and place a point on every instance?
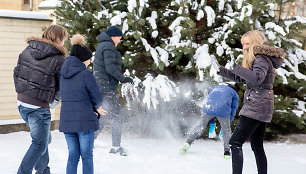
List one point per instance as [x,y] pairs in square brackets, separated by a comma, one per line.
[108,74]
[81,105]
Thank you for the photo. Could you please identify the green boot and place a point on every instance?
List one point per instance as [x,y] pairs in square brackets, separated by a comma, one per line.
[227,155]
[184,148]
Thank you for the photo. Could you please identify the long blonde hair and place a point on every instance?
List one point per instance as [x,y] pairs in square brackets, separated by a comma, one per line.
[255,38]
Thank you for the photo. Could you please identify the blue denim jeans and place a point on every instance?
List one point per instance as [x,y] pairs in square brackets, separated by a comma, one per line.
[80,144]
[39,121]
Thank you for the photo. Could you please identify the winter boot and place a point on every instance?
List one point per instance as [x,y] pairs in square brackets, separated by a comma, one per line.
[227,155]
[212,131]
[184,148]
[120,150]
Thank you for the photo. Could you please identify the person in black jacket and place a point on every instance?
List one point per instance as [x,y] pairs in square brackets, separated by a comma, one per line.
[107,71]
[81,98]
[258,72]
[36,79]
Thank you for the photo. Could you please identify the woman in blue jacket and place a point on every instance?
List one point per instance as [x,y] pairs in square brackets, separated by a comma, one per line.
[81,106]
[222,103]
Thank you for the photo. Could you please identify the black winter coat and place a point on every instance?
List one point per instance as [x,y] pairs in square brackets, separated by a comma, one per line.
[258,101]
[80,96]
[107,64]
[37,73]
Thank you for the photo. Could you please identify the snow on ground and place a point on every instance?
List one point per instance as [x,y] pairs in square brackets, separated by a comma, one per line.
[155,156]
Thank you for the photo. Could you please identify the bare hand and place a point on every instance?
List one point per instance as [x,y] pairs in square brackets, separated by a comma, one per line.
[102,111]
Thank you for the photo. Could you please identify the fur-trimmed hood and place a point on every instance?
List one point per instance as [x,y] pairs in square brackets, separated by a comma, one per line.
[277,55]
[41,48]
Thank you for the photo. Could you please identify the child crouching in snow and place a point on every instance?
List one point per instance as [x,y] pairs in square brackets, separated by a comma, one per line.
[222,103]
[81,98]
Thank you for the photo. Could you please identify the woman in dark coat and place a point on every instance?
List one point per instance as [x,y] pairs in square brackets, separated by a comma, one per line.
[258,72]
[81,100]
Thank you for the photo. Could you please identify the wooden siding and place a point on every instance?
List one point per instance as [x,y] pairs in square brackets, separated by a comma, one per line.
[13,33]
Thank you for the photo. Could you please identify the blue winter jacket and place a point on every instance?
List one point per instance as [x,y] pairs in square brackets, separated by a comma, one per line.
[222,101]
[107,64]
[80,95]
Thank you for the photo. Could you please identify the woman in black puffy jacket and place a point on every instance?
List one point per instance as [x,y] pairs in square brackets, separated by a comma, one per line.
[36,79]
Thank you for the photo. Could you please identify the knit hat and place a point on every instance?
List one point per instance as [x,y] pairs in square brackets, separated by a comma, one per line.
[113,31]
[78,49]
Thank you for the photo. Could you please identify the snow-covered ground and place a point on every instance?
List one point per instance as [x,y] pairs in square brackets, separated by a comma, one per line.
[155,156]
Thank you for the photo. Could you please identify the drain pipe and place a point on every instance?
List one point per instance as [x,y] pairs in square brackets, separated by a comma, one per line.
[31,5]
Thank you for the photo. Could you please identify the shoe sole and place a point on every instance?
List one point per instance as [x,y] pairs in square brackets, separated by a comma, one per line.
[227,157]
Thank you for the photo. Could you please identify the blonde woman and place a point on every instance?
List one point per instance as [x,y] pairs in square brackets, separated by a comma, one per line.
[36,79]
[258,72]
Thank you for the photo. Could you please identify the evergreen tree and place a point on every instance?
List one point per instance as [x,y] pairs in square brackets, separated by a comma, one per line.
[87,18]
[168,41]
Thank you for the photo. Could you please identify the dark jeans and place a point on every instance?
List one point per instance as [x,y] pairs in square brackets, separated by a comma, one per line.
[37,156]
[255,130]
[112,106]
[80,144]
[212,121]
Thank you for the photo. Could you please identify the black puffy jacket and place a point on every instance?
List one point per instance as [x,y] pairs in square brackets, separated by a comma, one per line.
[107,64]
[37,74]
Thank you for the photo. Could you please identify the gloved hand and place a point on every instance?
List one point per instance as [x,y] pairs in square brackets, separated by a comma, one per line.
[98,115]
[128,80]
[212,132]
[214,63]
[54,104]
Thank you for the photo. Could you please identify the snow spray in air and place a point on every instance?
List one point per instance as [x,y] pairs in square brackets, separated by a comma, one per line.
[158,107]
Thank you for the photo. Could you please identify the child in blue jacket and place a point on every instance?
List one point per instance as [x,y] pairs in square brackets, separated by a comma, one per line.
[222,103]
[81,106]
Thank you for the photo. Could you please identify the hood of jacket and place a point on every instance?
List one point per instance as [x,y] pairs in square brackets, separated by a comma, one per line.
[103,37]
[71,67]
[277,55]
[41,48]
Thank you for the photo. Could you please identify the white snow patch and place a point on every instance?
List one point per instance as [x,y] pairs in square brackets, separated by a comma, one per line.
[50,4]
[202,57]
[275,27]
[154,156]
[210,15]
[24,14]
[200,15]
[158,87]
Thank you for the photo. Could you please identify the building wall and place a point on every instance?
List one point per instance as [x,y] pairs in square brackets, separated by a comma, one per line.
[13,33]
[35,3]
[11,4]
[23,5]
[291,9]
[299,8]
